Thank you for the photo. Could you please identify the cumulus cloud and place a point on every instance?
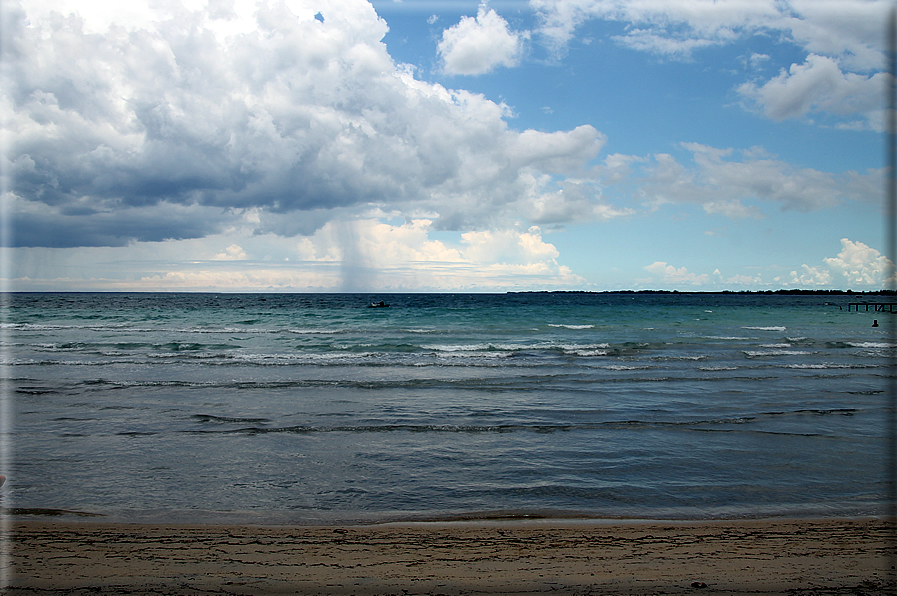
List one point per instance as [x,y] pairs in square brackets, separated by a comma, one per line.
[852,30]
[477,45]
[234,252]
[809,277]
[859,264]
[856,266]
[173,121]
[572,204]
[508,246]
[819,85]
[390,247]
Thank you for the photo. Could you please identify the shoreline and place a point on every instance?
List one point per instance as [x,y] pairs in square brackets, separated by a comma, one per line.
[858,509]
[508,556]
[212,519]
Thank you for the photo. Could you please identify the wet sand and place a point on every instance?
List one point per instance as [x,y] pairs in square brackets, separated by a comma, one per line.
[828,556]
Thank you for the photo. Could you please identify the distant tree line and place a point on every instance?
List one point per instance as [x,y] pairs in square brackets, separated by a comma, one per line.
[795,291]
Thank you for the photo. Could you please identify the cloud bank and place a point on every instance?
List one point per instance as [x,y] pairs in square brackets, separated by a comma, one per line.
[857,266]
[184,123]
[341,256]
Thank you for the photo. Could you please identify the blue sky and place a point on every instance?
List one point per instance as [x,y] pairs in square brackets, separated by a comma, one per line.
[444,145]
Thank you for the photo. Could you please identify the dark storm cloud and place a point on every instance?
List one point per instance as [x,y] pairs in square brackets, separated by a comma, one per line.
[69,230]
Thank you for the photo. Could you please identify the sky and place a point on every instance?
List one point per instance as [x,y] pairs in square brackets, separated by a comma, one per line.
[443,145]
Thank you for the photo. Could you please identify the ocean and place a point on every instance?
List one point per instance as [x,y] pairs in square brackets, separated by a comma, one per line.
[317,409]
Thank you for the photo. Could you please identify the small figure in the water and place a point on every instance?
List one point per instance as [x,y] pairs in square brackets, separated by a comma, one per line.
[875,322]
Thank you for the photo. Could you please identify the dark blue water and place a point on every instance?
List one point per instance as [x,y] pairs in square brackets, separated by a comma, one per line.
[315,408]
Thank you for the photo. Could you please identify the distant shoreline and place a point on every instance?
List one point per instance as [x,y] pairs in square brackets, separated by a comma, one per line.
[793,292]
[782,292]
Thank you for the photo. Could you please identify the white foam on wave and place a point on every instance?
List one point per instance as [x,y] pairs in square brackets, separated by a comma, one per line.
[573,347]
[519,347]
[753,353]
[565,326]
[187,354]
[48,362]
[869,344]
[305,358]
[772,328]
[829,365]
[213,330]
[59,327]
[73,347]
[474,354]
[456,348]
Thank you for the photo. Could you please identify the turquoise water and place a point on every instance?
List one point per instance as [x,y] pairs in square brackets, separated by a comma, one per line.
[314,408]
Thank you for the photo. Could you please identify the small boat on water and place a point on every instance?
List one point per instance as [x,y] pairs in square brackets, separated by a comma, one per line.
[380,304]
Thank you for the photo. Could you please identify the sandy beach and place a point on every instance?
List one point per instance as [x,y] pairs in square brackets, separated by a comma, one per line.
[831,556]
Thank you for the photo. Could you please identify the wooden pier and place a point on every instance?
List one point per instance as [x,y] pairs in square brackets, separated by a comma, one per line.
[874,306]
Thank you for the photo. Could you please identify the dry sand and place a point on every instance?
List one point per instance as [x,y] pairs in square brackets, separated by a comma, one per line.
[833,556]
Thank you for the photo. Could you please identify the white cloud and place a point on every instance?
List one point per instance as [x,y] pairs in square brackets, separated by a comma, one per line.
[819,85]
[849,28]
[477,45]
[733,209]
[234,252]
[741,281]
[811,277]
[669,275]
[756,61]
[662,26]
[508,247]
[354,255]
[734,183]
[256,108]
[857,266]
[616,168]
[649,41]
[573,204]
[842,38]
[852,30]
